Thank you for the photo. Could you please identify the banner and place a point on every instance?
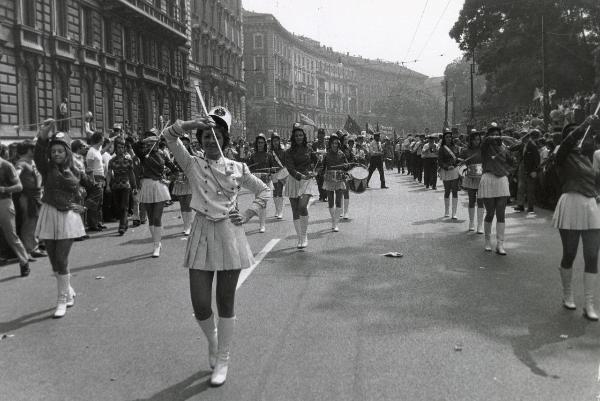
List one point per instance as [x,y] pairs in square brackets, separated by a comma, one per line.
[307,121]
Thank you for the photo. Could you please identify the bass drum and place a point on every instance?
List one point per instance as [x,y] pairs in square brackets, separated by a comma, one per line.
[358,179]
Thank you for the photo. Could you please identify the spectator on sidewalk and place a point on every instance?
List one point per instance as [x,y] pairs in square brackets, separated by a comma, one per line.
[95,170]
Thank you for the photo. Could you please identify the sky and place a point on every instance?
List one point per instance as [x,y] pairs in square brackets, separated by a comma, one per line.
[375,28]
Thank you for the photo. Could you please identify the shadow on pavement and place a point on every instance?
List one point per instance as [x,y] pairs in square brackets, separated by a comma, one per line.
[25,320]
[183,390]
[115,262]
[480,291]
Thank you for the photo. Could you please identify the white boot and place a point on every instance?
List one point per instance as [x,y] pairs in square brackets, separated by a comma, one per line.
[225,336]
[210,331]
[566,277]
[298,227]
[304,228]
[346,205]
[500,238]
[333,212]
[480,212]
[471,219]
[454,207]
[62,284]
[589,287]
[446,207]
[156,236]
[262,218]
[278,208]
[187,222]
[487,227]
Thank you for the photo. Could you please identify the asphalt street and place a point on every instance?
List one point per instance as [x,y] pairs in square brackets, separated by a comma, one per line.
[337,321]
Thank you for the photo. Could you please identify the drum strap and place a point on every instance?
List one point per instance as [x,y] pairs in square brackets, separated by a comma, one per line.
[277,159]
[451,152]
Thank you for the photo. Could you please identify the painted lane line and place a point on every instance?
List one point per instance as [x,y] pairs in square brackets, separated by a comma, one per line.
[258,258]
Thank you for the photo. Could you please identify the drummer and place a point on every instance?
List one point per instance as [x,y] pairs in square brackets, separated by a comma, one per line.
[320,148]
[448,161]
[472,159]
[334,166]
[347,145]
[261,164]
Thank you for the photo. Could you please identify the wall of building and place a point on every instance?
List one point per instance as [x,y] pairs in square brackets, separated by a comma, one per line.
[289,75]
[104,57]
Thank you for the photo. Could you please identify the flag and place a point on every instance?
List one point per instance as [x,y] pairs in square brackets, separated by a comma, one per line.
[307,121]
[352,126]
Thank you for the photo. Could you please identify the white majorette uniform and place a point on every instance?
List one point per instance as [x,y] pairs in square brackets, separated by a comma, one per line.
[215,243]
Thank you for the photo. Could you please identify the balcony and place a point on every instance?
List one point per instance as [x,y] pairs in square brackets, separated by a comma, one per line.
[229,80]
[110,63]
[210,72]
[130,69]
[142,13]
[152,74]
[62,48]
[29,38]
[89,56]
[241,85]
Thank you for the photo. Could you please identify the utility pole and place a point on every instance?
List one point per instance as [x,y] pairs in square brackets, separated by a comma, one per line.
[544,66]
[446,104]
[472,92]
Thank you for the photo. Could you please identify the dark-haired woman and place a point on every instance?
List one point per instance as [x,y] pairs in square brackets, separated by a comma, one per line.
[154,187]
[59,222]
[448,162]
[496,161]
[472,159]
[217,243]
[260,164]
[301,185]
[347,146]
[334,165]
[183,191]
[278,155]
[577,214]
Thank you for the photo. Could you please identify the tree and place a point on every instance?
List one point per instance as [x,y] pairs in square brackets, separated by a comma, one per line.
[506,38]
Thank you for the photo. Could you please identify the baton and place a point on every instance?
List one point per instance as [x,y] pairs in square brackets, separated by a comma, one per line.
[589,127]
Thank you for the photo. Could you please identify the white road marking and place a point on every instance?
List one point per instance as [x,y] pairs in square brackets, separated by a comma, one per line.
[258,258]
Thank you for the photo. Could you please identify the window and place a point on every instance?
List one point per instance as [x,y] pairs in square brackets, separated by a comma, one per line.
[258,41]
[27,99]
[61,18]
[182,15]
[258,63]
[108,45]
[127,42]
[28,12]
[260,90]
[88,27]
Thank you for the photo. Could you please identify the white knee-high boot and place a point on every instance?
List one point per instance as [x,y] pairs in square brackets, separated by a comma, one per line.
[304,228]
[210,331]
[333,212]
[346,206]
[156,236]
[566,278]
[63,287]
[225,337]
[471,219]
[262,218]
[500,227]
[298,227]
[480,212]
[454,208]
[278,208]
[446,207]
[487,228]
[589,287]
[187,222]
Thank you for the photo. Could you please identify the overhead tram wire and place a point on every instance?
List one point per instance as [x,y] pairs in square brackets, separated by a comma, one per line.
[434,28]
[416,30]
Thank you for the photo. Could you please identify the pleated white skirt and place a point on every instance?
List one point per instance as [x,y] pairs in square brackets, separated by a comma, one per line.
[296,188]
[153,191]
[54,225]
[217,245]
[575,211]
[492,186]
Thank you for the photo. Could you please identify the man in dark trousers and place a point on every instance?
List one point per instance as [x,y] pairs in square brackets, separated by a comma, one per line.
[528,168]
[321,148]
[375,150]
[62,115]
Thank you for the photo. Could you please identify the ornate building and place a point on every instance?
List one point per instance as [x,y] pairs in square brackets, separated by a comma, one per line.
[289,75]
[123,60]
[216,58]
